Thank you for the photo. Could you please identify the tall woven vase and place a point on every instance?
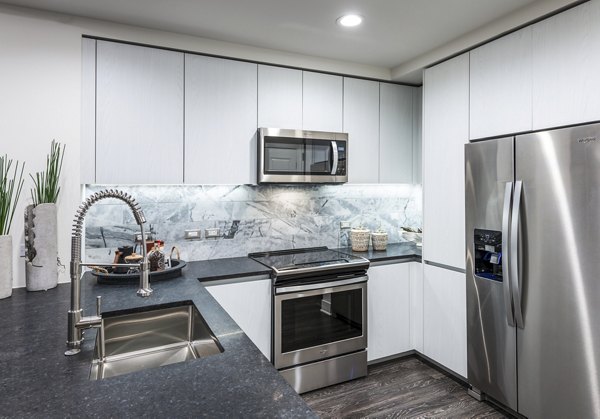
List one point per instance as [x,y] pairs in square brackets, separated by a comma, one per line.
[6,278]
[41,243]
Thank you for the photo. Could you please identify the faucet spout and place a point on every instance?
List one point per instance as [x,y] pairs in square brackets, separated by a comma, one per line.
[76,321]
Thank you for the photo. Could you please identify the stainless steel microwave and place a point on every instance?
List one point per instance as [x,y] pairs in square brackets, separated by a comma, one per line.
[296,156]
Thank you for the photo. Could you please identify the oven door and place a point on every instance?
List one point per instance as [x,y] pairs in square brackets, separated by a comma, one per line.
[318,321]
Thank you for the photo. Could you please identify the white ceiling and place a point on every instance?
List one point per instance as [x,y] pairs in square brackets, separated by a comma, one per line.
[393,32]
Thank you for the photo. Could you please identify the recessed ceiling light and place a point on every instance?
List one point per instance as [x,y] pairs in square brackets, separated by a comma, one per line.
[349,20]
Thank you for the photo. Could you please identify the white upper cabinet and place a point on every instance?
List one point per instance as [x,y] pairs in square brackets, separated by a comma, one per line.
[279,97]
[445,132]
[500,91]
[139,125]
[361,122]
[565,67]
[87,163]
[321,102]
[395,133]
[220,121]
[445,317]
[417,134]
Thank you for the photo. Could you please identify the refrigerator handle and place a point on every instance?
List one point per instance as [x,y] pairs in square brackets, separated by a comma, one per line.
[514,253]
[510,317]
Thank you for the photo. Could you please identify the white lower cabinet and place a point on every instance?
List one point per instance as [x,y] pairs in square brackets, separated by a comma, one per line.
[388,305]
[416,306]
[445,318]
[249,304]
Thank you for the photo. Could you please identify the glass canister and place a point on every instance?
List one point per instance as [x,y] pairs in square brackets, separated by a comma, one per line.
[156,257]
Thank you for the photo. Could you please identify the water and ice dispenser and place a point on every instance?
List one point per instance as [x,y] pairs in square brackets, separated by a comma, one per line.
[488,254]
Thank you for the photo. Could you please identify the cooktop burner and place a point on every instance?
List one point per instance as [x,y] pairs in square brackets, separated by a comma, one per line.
[309,261]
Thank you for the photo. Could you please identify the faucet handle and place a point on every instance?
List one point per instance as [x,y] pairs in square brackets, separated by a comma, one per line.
[98,305]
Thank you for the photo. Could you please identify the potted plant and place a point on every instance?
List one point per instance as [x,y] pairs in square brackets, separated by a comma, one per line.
[41,235]
[11,183]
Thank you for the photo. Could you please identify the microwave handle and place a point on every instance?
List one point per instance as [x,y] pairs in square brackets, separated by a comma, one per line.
[335,158]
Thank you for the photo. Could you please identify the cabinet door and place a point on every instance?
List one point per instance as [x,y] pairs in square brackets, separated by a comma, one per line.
[361,122]
[388,305]
[395,133]
[445,318]
[279,97]
[417,134]
[445,132]
[87,163]
[565,67]
[416,306]
[500,93]
[321,102]
[249,305]
[220,121]
[139,108]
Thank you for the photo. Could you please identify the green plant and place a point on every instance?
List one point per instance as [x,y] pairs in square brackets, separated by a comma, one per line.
[46,187]
[10,189]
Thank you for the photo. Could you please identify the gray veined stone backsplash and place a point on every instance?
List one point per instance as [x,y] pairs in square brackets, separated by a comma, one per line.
[251,218]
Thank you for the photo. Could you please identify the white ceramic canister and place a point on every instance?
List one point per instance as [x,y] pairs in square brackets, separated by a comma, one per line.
[379,239]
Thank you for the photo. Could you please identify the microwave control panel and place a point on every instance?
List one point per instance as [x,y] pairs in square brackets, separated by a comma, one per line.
[341,167]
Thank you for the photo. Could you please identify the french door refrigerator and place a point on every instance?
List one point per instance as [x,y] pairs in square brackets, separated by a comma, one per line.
[533,271]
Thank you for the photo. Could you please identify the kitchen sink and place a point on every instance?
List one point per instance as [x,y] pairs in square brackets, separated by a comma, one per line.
[161,335]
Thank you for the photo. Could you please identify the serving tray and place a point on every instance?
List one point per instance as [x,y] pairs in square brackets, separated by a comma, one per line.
[173,271]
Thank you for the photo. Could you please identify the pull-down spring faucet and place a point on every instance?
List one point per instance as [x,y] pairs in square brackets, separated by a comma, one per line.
[76,321]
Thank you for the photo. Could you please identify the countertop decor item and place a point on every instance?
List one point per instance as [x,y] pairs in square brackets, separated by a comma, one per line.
[41,236]
[359,239]
[11,184]
[107,276]
[156,257]
[413,234]
[379,239]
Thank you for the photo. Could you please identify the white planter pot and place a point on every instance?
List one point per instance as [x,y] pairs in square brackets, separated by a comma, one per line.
[41,241]
[6,278]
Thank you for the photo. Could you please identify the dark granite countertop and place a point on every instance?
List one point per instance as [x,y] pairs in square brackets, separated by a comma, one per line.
[240,267]
[215,269]
[400,252]
[37,380]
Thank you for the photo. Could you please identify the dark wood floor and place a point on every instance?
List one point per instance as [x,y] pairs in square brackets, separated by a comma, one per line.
[404,388]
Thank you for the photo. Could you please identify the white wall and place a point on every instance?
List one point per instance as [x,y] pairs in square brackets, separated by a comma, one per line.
[40,89]
[40,65]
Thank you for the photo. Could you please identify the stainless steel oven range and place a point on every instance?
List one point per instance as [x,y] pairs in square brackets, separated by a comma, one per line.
[319,335]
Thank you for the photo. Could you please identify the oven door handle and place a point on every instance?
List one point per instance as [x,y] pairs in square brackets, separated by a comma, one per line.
[320,285]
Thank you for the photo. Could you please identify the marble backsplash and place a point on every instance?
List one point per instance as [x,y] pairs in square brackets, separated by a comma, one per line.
[250,218]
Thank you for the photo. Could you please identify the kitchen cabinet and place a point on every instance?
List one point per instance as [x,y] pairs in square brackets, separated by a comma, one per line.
[220,121]
[445,132]
[416,306]
[248,303]
[321,102]
[139,114]
[445,318]
[87,151]
[361,122]
[395,133]
[279,97]
[388,308]
[565,67]
[500,86]
[417,134]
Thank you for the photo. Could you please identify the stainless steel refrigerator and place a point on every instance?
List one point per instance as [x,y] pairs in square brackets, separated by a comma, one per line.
[533,271]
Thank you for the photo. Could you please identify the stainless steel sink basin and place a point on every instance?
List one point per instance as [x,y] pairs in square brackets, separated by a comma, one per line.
[163,335]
